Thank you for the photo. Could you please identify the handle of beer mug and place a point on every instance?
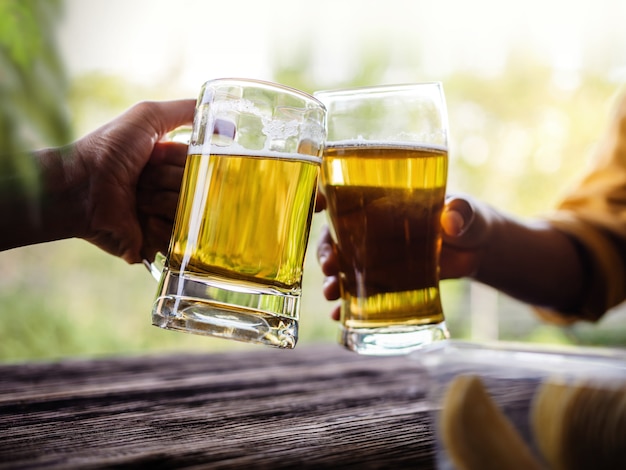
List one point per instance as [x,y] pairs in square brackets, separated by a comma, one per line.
[182,135]
[222,129]
[156,267]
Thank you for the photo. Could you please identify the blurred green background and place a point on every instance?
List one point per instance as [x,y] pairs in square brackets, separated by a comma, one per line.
[528,88]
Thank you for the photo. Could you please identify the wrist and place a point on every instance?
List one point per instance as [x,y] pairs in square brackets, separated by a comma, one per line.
[489,262]
[532,262]
[42,197]
[64,192]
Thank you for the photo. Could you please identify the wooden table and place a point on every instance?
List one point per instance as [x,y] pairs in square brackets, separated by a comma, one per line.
[312,407]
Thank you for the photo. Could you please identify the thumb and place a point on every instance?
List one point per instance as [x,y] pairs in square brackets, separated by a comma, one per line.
[168,115]
[464,222]
[464,233]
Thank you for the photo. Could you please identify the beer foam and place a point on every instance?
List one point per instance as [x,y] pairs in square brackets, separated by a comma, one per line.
[360,142]
[275,130]
[235,150]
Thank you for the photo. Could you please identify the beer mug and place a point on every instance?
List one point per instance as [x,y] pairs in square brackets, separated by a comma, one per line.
[235,260]
[384,174]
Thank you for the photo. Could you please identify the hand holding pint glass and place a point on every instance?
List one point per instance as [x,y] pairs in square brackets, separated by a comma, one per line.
[235,261]
[384,176]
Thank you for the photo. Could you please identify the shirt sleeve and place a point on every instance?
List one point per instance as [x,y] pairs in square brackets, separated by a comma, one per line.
[593,213]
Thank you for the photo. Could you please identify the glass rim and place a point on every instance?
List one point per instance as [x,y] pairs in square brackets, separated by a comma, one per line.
[378,89]
[267,85]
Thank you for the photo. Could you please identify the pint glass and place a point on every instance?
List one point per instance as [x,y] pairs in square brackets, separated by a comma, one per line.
[384,176]
[235,261]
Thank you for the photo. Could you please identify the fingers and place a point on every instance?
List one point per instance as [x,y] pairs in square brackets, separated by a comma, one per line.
[159,183]
[330,288]
[326,255]
[327,259]
[158,190]
[169,152]
[320,201]
[156,236]
[161,177]
[157,203]
[336,313]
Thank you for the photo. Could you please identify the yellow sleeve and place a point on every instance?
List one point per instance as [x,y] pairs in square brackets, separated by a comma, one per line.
[594,214]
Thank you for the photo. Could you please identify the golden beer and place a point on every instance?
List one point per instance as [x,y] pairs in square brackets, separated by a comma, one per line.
[226,235]
[237,251]
[384,203]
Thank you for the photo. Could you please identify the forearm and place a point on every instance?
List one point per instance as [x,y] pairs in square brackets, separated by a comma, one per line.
[47,205]
[535,263]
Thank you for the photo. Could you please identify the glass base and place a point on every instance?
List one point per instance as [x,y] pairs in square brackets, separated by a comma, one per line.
[214,307]
[391,341]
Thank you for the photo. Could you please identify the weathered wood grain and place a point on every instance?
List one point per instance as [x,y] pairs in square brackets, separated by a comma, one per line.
[312,407]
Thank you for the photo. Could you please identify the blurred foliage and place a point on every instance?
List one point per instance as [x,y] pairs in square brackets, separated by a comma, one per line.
[518,139]
[33,87]
[33,84]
